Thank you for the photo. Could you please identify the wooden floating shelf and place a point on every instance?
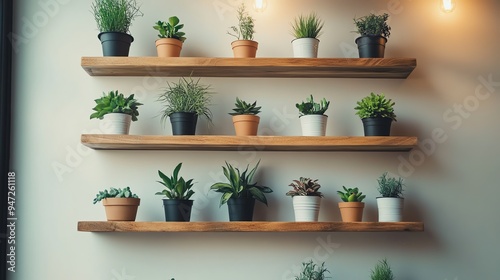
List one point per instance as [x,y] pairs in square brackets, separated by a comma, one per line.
[243,143]
[92,226]
[381,68]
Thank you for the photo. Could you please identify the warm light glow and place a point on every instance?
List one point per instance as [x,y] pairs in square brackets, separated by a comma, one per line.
[260,5]
[447,6]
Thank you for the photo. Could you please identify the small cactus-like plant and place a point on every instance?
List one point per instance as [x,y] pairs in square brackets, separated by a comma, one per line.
[351,195]
[115,193]
[312,108]
[244,108]
[305,187]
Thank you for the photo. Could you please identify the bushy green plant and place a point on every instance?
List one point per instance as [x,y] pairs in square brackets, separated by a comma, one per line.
[375,106]
[312,271]
[312,108]
[115,15]
[351,195]
[309,26]
[170,29]
[305,187]
[245,29]
[176,187]
[373,25]
[115,193]
[244,108]
[382,271]
[240,185]
[389,186]
[115,102]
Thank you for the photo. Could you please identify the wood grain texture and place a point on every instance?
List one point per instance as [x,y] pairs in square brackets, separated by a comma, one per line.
[382,68]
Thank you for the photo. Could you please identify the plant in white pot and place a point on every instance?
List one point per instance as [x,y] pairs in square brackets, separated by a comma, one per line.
[352,205]
[245,119]
[390,203]
[376,113]
[373,31]
[312,116]
[171,38]
[244,45]
[306,30]
[306,199]
[117,111]
[119,204]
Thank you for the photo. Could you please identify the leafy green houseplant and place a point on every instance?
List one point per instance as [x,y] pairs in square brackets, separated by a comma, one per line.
[376,113]
[244,46]
[171,38]
[306,30]
[312,271]
[351,209]
[310,107]
[306,199]
[374,31]
[178,192]
[390,186]
[390,203]
[382,271]
[119,204]
[312,116]
[245,119]
[117,111]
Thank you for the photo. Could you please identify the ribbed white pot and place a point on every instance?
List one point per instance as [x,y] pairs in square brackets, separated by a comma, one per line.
[305,47]
[306,208]
[116,123]
[313,125]
[390,209]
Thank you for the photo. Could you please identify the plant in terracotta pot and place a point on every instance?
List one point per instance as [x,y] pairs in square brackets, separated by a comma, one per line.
[171,38]
[244,46]
[245,119]
[183,103]
[114,18]
[391,201]
[376,113]
[306,199]
[177,203]
[312,271]
[374,31]
[382,271]
[306,30]
[119,204]
[351,209]
[117,111]
[312,116]
[240,192]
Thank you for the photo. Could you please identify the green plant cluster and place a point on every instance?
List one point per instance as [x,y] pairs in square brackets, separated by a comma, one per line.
[312,108]
[351,195]
[312,271]
[115,193]
[305,187]
[382,271]
[176,187]
[309,26]
[245,29]
[244,108]
[115,102]
[115,15]
[375,106]
[170,29]
[373,25]
[389,186]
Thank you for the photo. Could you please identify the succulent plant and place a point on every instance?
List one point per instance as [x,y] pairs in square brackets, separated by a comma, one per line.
[175,187]
[351,195]
[390,187]
[375,106]
[244,108]
[170,29]
[312,108]
[305,187]
[115,193]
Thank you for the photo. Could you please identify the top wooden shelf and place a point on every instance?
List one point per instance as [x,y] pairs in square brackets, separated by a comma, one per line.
[379,68]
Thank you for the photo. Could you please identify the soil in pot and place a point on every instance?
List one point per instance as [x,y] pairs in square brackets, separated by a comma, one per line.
[377,126]
[351,211]
[183,123]
[168,47]
[177,210]
[115,43]
[246,125]
[371,46]
[241,208]
[121,209]
[244,48]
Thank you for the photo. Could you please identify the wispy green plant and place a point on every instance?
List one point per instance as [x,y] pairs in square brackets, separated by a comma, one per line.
[389,186]
[245,29]
[310,107]
[309,26]
[373,25]
[115,15]
[375,106]
[382,271]
[312,271]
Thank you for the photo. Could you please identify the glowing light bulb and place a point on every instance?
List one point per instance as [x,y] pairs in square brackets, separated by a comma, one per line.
[260,5]
[447,6]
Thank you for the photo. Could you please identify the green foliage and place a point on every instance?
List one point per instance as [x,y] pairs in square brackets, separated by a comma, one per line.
[307,26]
[176,187]
[245,29]
[311,271]
[375,106]
[115,102]
[115,15]
[240,185]
[390,187]
[382,271]
[373,25]
[243,108]
[305,187]
[351,195]
[115,193]
[312,108]
[170,29]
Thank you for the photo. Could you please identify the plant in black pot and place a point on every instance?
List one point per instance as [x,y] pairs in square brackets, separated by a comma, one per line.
[117,111]
[374,31]
[240,192]
[114,18]
[377,114]
[177,203]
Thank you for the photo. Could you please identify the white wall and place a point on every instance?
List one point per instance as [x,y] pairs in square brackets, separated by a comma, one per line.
[453,188]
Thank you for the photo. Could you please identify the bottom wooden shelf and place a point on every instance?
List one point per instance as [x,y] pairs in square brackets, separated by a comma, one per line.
[101,226]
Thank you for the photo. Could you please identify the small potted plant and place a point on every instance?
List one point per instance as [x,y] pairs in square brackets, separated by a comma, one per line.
[306,199]
[245,119]
[306,30]
[312,271]
[177,203]
[382,271]
[183,103]
[119,204]
[117,111]
[114,18]
[171,38]
[244,46]
[240,192]
[390,203]
[351,209]
[312,116]
[376,113]
[373,31]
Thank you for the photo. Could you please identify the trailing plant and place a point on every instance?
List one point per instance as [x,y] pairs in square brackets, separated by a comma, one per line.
[351,195]
[309,26]
[375,106]
[115,15]
[382,271]
[390,187]
[115,193]
[305,187]
[240,185]
[170,29]
[311,271]
[373,25]
[115,102]
[245,29]
[176,187]
[312,108]
[244,108]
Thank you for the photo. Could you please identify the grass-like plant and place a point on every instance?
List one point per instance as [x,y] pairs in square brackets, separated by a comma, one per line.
[305,187]
[115,193]
[175,187]
[351,195]
[312,271]
[373,25]
[310,107]
[115,102]
[244,108]
[309,26]
[170,29]
[390,187]
[115,15]
[245,29]
[382,271]
[375,106]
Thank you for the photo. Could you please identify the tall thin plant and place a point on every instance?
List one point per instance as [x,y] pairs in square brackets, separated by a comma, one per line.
[382,271]
[309,26]
[115,15]
[245,29]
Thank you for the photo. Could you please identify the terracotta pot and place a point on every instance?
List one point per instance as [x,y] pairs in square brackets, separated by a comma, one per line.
[168,47]
[121,209]
[244,48]
[351,211]
[246,125]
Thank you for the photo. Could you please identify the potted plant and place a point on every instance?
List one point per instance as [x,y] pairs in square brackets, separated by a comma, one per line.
[245,119]
[390,203]
[177,203]
[114,18]
[351,209]
[312,116]
[312,271]
[240,192]
[184,102]
[373,31]
[376,113]
[306,30]
[119,204]
[244,46]
[382,271]
[117,111]
[171,39]
[306,199]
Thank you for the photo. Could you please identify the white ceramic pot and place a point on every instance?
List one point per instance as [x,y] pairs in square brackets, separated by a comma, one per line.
[306,208]
[313,125]
[116,123]
[390,209]
[305,47]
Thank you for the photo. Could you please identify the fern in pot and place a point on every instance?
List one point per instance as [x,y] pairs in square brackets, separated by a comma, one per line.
[306,30]
[376,113]
[390,202]
[374,31]
[312,116]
